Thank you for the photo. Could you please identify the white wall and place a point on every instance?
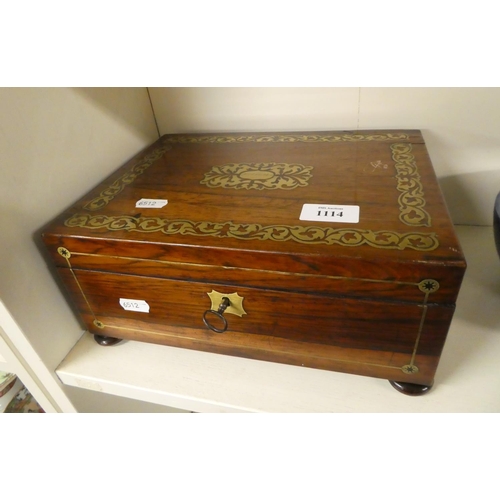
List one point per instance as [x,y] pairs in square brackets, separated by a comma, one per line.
[461,126]
[55,144]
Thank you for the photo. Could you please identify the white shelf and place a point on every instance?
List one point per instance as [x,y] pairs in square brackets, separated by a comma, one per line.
[5,366]
[467,380]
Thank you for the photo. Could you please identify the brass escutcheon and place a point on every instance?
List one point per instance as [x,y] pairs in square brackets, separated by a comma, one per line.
[236,306]
[231,303]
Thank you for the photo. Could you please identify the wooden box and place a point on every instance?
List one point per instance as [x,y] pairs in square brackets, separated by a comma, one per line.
[331,250]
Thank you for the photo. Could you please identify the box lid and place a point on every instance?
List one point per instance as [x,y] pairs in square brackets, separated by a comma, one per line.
[374,207]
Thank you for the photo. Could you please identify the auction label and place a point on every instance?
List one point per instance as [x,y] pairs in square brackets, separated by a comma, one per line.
[330,213]
[150,203]
[135,305]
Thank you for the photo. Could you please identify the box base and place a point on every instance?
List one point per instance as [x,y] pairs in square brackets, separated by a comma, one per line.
[404,387]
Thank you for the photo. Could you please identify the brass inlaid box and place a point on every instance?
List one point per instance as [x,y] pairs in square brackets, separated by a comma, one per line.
[331,250]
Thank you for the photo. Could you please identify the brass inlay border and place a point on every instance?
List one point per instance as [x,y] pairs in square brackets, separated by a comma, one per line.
[211,342]
[406,369]
[224,139]
[66,254]
[390,240]
[426,286]
[216,266]
[411,200]
[258,176]
[420,329]
[127,178]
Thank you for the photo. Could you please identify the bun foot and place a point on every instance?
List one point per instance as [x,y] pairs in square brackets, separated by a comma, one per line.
[106,341]
[410,389]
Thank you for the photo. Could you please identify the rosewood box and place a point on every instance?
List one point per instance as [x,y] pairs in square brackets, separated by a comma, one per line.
[330,250]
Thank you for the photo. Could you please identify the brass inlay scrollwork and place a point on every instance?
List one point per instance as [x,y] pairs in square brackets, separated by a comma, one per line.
[127,178]
[411,200]
[223,139]
[258,176]
[301,234]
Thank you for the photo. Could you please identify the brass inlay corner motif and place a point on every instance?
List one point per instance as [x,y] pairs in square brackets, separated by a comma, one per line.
[258,176]
[428,286]
[127,178]
[301,234]
[411,200]
[64,252]
[409,369]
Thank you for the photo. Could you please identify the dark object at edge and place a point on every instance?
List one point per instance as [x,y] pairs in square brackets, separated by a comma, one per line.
[496,223]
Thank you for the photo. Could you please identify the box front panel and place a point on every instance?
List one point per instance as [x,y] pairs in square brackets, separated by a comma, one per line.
[373,294]
[377,338]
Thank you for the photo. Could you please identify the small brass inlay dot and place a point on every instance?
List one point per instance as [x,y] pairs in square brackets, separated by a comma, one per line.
[428,286]
[409,369]
[64,252]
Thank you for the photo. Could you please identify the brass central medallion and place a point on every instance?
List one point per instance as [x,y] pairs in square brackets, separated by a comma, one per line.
[258,176]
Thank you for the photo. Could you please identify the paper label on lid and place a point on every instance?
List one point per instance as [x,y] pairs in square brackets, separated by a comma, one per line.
[135,305]
[150,203]
[330,213]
